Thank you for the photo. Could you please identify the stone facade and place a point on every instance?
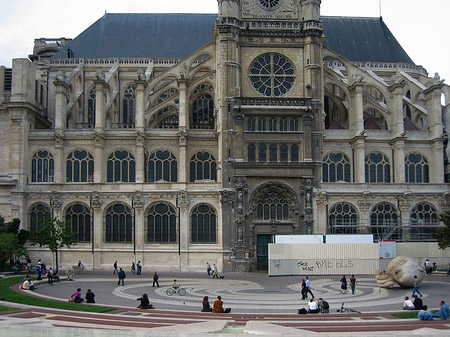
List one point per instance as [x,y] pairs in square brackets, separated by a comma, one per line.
[263,131]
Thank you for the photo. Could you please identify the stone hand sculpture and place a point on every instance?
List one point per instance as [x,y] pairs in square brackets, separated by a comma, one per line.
[403,269]
[383,280]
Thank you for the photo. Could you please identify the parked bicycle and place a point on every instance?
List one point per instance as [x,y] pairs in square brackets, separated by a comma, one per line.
[180,291]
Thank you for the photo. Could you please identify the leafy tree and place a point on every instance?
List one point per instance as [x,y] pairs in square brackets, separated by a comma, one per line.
[54,234]
[12,240]
[442,234]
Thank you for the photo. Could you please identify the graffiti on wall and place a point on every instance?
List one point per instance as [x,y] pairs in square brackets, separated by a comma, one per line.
[317,265]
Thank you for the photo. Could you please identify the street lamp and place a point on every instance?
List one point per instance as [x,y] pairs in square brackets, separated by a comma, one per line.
[91,208]
[179,226]
[134,227]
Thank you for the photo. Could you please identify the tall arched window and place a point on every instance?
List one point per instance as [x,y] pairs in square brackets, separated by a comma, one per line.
[79,217]
[294,153]
[42,167]
[262,149]
[161,224]
[343,219]
[273,153]
[384,221]
[203,166]
[121,167]
[284,152]
[161,166]
[273,206]
[118,223]
[203,112]
[416,169]
[251,153]
[129,105]
[203,224]
[38,213]
[335,167]
[423,217]
[378,169]
[79,167]
[91,108]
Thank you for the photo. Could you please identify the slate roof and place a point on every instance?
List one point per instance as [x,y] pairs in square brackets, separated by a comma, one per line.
[179,35]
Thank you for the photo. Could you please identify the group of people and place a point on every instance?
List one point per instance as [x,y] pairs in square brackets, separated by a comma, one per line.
[344,284]
[77,298]
[321,306]
[417,304]
[213,271]
[443,313]
[217,306]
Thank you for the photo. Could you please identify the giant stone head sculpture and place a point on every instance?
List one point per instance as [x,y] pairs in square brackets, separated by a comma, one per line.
[402,269]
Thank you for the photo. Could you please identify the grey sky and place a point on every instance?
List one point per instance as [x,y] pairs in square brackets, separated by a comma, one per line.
[421,27]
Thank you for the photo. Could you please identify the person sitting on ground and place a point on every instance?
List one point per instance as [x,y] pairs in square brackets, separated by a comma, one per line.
[313,308]
[28,284]
[175,285]
[205,304]
[323,305]
[444,312]
[89,296]
[418,303]
[76,297]
[408,304]
[145,302]
[218,306]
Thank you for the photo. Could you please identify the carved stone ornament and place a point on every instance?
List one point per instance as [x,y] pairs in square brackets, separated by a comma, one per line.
[56,203]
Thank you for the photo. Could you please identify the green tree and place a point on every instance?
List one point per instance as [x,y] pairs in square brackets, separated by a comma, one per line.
[12,240]
[54,234]
[442,234]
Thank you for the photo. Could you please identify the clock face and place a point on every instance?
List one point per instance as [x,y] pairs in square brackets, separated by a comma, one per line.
[269,9]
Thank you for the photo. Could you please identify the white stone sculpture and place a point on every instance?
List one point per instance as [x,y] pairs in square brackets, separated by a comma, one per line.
[402,269]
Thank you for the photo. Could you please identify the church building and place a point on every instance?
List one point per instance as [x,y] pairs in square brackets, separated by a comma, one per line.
[181,139]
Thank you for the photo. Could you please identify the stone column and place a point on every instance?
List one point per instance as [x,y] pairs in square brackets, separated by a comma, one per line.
[100,104]
[182,160]
[61,89]
[359,159]
[396,108]
[404,205]
[96,206]
[99,159]
[399,160]
[59,163]
[183,113]
[140,105]
[307,146]
[322,213]
[140,158]
[183,227]
[138,204]
[356,103]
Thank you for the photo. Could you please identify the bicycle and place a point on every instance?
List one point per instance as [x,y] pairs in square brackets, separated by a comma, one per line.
[80,269]
[180,291]
[343,309]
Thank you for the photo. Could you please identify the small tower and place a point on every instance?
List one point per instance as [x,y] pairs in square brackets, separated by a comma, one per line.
[310,10]
[229,8]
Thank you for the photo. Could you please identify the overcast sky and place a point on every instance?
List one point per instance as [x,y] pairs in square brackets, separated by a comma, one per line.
[421,27]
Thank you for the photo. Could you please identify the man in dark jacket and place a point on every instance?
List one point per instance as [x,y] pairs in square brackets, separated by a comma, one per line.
[418,303]
[122,276]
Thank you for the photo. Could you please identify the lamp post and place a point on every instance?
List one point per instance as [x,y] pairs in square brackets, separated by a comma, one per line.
[134,227]
[179,232]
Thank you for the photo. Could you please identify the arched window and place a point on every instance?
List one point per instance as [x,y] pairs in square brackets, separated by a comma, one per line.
[416,169]
[121,167]
[79,167]
[343,219]
[294,153]
[251,153]
[262,149]
[251,124]
[272,124]
[38,214]
[384,221]
[118,222]
[378,169]
[283,152]
[203,112]
[162,166]
[91,108]
[423,217]
[273,153]
[42,167]
[129,105]
[261,124]
[203,224]
[79,217]
[203,167]
[273,206]
[161,224]
[335,167]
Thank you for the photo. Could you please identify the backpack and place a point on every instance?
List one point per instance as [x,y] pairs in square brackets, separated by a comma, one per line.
[302,311]
[325,305]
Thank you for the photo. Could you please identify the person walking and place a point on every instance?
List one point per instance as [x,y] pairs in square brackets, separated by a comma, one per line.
[343,284]
[115,267]
[308,287]
[50,276]
[122,276]
[353,284]
[138,268]
[155,279]
[416,287]
[133,268]
[208,268]
[303,290]
[39,270]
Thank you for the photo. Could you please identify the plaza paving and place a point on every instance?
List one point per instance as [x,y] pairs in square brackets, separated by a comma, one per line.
[260,305]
